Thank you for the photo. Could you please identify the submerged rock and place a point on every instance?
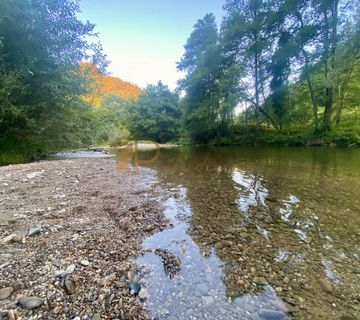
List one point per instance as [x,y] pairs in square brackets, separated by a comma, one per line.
[326,285]
[271,314]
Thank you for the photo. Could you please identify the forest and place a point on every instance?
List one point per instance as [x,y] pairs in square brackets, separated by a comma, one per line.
[273,72]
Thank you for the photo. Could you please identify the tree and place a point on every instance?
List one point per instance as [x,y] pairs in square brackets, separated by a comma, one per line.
[155,115]
[202,64]
[245,35]
[41,45]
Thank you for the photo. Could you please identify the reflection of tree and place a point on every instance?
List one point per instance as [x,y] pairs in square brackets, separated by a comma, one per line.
[249,258]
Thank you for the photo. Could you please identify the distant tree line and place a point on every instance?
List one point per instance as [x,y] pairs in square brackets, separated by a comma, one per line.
[280,66]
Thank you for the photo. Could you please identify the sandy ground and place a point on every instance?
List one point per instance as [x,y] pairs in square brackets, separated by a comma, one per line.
[69,233]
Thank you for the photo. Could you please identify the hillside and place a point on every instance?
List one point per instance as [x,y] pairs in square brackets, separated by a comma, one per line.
[105,84]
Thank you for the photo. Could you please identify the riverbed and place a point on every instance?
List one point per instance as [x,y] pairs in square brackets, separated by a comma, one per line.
[270,233]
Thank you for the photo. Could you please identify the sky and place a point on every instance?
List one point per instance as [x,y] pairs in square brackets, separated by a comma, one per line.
[144,39]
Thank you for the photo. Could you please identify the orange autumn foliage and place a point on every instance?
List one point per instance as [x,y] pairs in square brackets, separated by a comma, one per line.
[103,84]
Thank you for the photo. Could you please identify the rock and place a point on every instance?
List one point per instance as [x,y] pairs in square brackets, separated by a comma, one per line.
[30,303]
[85,263]
[108,280]
[143,295]
[69,286]
[348,317]
[326,285]
[150,227]
[11,315]
[70,268]
[135,287]
[260,281]
[278,289]
[6,292]
[9,238]
[316,143]
[34,229]
[286,280]
[201,289]
[19,238]
[271,314]
[208,300]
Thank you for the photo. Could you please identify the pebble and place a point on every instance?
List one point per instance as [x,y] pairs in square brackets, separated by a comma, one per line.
[143,295]
[85,263]
[34,229]
[30,303]
[6,292]
[69,286]
[326,285]
[201,289]
[9,238]
[135,287]
[11,315]
[70,268]
[271,314]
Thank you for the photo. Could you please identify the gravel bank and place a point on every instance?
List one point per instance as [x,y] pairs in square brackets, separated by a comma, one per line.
[70,230]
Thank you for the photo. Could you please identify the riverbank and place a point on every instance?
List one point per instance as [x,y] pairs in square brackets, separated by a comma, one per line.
[70,230]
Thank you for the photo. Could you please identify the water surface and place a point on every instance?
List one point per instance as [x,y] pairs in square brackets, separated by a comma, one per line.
[269,233]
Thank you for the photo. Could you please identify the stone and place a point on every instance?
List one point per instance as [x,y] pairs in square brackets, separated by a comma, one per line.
[135,287]
[9,238]
[348,317]
[30,303]
[260,281]
[201,289]
[271,314]
[18,238]
[11,315]
[70,268]
[326,285]
[69,286]
[85,263]
[34,229]
[143,295]
[208,300]
[6,292]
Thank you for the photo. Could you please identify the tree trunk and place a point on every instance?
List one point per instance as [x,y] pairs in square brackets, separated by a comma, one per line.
[257,92]
[330,67]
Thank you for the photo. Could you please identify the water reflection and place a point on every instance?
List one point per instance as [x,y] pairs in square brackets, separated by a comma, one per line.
[259,232]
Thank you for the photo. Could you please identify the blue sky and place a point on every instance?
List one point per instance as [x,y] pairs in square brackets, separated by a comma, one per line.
[144,38]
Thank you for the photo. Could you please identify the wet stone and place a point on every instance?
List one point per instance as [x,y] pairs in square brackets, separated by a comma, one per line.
[326,285]
[268,314]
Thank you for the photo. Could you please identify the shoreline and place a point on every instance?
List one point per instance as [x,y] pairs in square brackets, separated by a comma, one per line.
[88,224]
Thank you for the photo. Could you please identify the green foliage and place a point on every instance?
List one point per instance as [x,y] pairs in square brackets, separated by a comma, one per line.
[292,66]
[42,43]
[155,115]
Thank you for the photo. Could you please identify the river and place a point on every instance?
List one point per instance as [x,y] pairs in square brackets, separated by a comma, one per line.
[257,233]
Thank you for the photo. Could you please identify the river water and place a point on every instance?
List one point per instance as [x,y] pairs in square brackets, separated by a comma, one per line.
[270,233]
